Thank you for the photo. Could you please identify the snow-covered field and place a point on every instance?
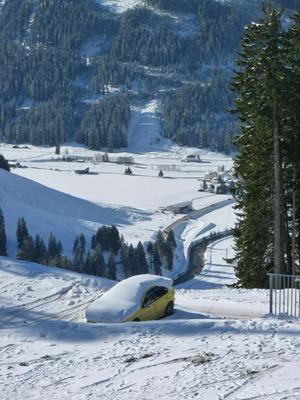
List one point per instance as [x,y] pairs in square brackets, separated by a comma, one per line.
[48,351]
[68,204]
[219,344]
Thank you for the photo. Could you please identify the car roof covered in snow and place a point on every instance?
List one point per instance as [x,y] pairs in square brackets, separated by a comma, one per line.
[124,299]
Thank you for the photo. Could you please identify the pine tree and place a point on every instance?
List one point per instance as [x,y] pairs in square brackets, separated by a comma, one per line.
[79,252]
[150,250]
[111,267]
[115,242]
[4,163]
[40,250]
[54,251]
[27,250]
[171,239]
[260,209]
[141,262]
[22,231]
[124,255]
[292,144]
[157,262]
[97,264]
[3,240]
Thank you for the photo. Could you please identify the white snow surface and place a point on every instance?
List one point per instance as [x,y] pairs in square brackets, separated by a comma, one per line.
[81,203]
[119,6]
[47,351]
[124,299]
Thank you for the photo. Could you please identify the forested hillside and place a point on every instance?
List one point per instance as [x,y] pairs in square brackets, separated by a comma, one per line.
[60,59]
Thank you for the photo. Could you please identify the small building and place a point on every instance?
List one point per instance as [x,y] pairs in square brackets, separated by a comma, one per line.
[193,158]
[222,182]
[180,208]
[211,175]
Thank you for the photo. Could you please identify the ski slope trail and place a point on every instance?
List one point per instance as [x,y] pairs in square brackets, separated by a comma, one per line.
[145,130]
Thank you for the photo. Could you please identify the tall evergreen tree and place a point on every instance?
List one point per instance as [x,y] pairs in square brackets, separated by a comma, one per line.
[3,240]
[260,234]
[141,262]
[27,250]
[4,163]
[111,267]
[79,252]
[22,231]
[40,250]
[98,262]
[157,264]
[291,148]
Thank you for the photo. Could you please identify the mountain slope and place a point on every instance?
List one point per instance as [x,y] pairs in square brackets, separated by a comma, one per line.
[46,210]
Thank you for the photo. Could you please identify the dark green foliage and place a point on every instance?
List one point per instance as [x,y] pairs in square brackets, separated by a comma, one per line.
[171,239]
[69,23]
[124,256]
[268,108]
[14,18]
[157,264]
[196,114]
[22,231]
[108,238]
[48,123]
[141,261]
[40,250]
[105,124]
[148,44]
[111,72]
[27,250]
[3,250]
[163,252]
[54,252]
[95,263]
[79,253]
[4,163]
[111,267]
[44,75]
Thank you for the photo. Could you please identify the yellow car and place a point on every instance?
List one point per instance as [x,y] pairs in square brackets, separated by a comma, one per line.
[138,298]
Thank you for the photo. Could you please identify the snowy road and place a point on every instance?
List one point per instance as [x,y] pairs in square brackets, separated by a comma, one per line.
[215,275]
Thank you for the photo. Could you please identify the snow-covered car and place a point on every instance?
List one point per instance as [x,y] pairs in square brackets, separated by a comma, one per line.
[139,298]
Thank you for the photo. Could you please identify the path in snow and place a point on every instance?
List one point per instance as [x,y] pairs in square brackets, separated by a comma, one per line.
[215,275]
[145,130]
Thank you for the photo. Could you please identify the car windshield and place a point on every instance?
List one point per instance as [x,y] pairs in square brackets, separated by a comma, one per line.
[153,294]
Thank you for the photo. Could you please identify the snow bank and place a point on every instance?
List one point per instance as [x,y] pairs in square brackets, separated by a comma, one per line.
[124,299]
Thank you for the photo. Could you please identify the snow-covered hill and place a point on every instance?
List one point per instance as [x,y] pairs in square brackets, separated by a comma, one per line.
[46,210]
[48,351]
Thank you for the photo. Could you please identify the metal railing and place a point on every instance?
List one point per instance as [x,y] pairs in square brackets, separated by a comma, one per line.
[285,295]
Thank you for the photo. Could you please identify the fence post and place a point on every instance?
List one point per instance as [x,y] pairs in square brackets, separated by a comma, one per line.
[271,292]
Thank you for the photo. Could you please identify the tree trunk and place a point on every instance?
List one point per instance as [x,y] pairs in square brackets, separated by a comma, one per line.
[278,198]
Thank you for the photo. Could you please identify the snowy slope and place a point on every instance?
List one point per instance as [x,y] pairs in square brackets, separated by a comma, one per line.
[119,5]
[47,210]
[47,351]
